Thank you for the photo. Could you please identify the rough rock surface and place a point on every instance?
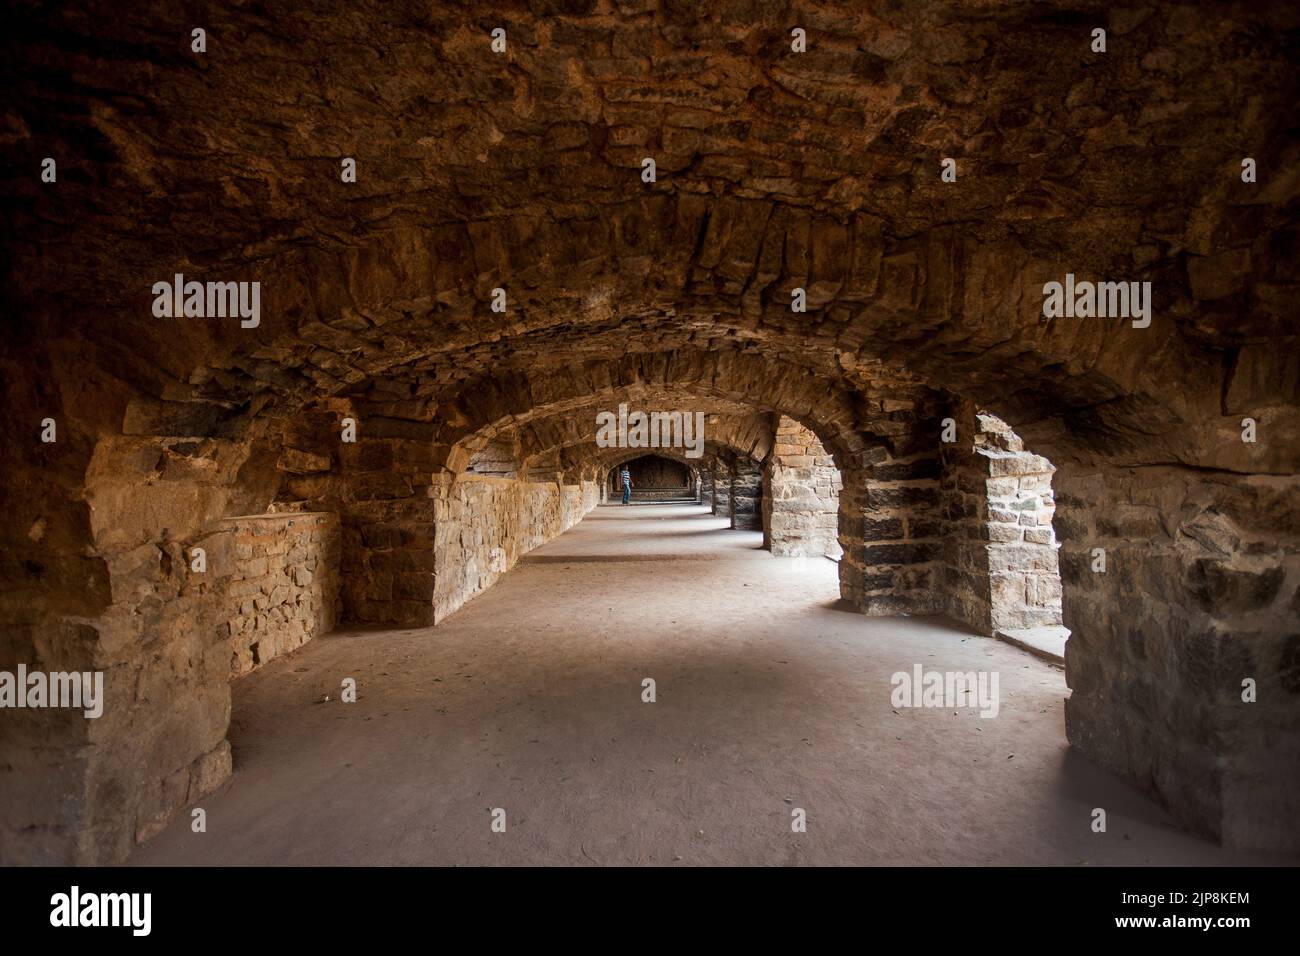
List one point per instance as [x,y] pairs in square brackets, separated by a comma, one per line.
[776,171]
[801,494]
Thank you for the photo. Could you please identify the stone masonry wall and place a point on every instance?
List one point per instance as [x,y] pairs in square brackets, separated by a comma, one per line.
[890,509]
[1000,563]
[380,488]
[161,641]
[286,588]
[483,526]
[722,477]
[1199,592]
[801,494]
[746,496]
[892,529]
[1024,578]
[964,578]
[416,542]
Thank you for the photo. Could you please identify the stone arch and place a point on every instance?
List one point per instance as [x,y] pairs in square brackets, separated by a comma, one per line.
[749,435]
[376,303]
[499,458]
[836,413]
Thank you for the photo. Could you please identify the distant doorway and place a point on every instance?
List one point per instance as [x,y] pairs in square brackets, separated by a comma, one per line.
[654,478]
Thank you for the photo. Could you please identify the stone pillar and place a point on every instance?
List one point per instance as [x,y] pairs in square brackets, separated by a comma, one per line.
[891,522]
[389,523]
[1000,567]
[722,490]
[852,531]
[746,496]
[57,581]
[705,486]
[114,589]
[894,548]
[964,578]
[1024,580]
[801,499]
[1197,595]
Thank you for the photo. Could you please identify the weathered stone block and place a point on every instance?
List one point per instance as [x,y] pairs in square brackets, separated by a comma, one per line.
[902,496]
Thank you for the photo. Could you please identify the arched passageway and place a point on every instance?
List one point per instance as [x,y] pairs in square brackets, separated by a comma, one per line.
[412,409]
[769,696]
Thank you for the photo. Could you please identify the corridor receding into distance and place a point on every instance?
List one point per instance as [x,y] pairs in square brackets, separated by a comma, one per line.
[949,349]
[770,695]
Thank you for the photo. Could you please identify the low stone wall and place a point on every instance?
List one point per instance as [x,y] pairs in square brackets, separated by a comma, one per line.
[483,526]
[663,494]
[285,587]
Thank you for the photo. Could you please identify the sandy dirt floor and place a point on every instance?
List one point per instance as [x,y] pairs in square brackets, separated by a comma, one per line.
[770,697]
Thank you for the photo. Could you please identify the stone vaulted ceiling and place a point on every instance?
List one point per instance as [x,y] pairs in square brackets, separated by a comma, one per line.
[379,374]
[522,170]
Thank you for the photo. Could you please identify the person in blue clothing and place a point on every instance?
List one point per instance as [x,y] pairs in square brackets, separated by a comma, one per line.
[626,477]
